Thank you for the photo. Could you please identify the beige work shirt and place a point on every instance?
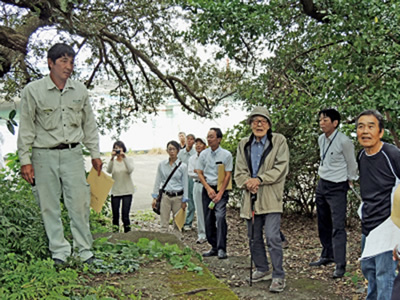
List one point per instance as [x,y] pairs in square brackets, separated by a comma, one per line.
[49,117]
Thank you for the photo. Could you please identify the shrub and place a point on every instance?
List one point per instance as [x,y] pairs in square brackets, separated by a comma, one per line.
[21,225]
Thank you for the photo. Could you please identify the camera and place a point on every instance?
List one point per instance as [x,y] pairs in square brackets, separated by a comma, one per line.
[117,152]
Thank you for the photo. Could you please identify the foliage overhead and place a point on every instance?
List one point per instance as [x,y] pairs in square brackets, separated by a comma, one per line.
[298,57]
[305,55]
[138,44]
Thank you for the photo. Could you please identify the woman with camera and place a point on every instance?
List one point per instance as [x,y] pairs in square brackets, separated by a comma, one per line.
[121,168]
[175,193]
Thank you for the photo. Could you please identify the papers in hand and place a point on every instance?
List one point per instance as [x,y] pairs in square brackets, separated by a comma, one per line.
[221,177]
[100,186]
[396,207]
[180,218]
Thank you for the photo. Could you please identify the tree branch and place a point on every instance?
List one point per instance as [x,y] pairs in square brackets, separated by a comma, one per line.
[168,80]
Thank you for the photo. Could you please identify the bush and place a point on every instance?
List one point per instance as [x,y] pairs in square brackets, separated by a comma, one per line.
[21,225]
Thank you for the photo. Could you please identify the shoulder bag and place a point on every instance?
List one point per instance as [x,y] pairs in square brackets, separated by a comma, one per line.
[157,209]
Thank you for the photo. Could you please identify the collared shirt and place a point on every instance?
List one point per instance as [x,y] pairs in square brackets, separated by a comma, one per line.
[338,161]
[257,149]
[178,181]
[184,155]
[209,160]
[50,117]
[192,165]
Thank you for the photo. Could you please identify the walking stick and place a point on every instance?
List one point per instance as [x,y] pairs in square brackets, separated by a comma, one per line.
[253,199]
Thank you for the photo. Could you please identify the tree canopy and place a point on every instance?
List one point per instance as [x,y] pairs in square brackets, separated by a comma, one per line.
[342,54]
[139,44]
[302,56]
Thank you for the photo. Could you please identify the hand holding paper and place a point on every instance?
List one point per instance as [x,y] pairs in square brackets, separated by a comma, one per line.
[100,186]
[180,217]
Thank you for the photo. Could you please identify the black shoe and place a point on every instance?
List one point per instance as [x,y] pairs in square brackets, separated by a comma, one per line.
[58,262]
[212,252]
[322,262]
[222,254]
[339,272]
[89,261]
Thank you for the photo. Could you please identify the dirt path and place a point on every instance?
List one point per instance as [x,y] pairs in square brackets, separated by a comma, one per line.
[303,282]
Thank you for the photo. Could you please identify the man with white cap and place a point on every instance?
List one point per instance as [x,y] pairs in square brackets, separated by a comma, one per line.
[262,163]
[200,145]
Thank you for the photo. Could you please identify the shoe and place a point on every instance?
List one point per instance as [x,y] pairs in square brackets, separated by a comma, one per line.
[277,285]
[201,241]
[212,252]
[89,261]
[285,244]
[321,262]
[339,272]
[58,262]
[222,254]
[187,228]
[260,276]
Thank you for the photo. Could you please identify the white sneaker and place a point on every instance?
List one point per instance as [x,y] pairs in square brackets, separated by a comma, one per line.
[201,241]
[260,276]
[187,228]
[277,285]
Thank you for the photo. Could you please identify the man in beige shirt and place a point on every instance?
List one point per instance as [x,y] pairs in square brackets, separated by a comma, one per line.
[56,117]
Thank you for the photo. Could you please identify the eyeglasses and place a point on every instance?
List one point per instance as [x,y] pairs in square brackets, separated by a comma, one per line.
[262,121]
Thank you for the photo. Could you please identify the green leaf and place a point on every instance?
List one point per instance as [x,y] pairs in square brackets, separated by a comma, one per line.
[10,127]
[12,114]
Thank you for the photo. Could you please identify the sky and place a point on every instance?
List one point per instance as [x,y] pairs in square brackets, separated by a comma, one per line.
[157,132]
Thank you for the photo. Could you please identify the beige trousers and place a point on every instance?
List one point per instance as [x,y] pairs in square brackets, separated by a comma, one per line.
[62,172]
[168,205]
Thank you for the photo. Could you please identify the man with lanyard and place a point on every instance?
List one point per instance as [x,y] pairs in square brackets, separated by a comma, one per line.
[337,169]
[262,163]
[56,116]
[214,201]
[379,165]
[184,155]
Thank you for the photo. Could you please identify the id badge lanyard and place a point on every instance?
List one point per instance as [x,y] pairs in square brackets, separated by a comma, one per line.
[326,151]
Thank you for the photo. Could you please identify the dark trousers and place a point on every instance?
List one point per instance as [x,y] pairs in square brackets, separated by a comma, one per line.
[331,200]
[126,207]
[215,219]
[270,225]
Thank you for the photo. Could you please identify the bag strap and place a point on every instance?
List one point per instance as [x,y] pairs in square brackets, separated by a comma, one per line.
[170,175]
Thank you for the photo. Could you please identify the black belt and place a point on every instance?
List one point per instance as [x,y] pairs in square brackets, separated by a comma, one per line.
[173,194]
[195,180]
[64,146]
